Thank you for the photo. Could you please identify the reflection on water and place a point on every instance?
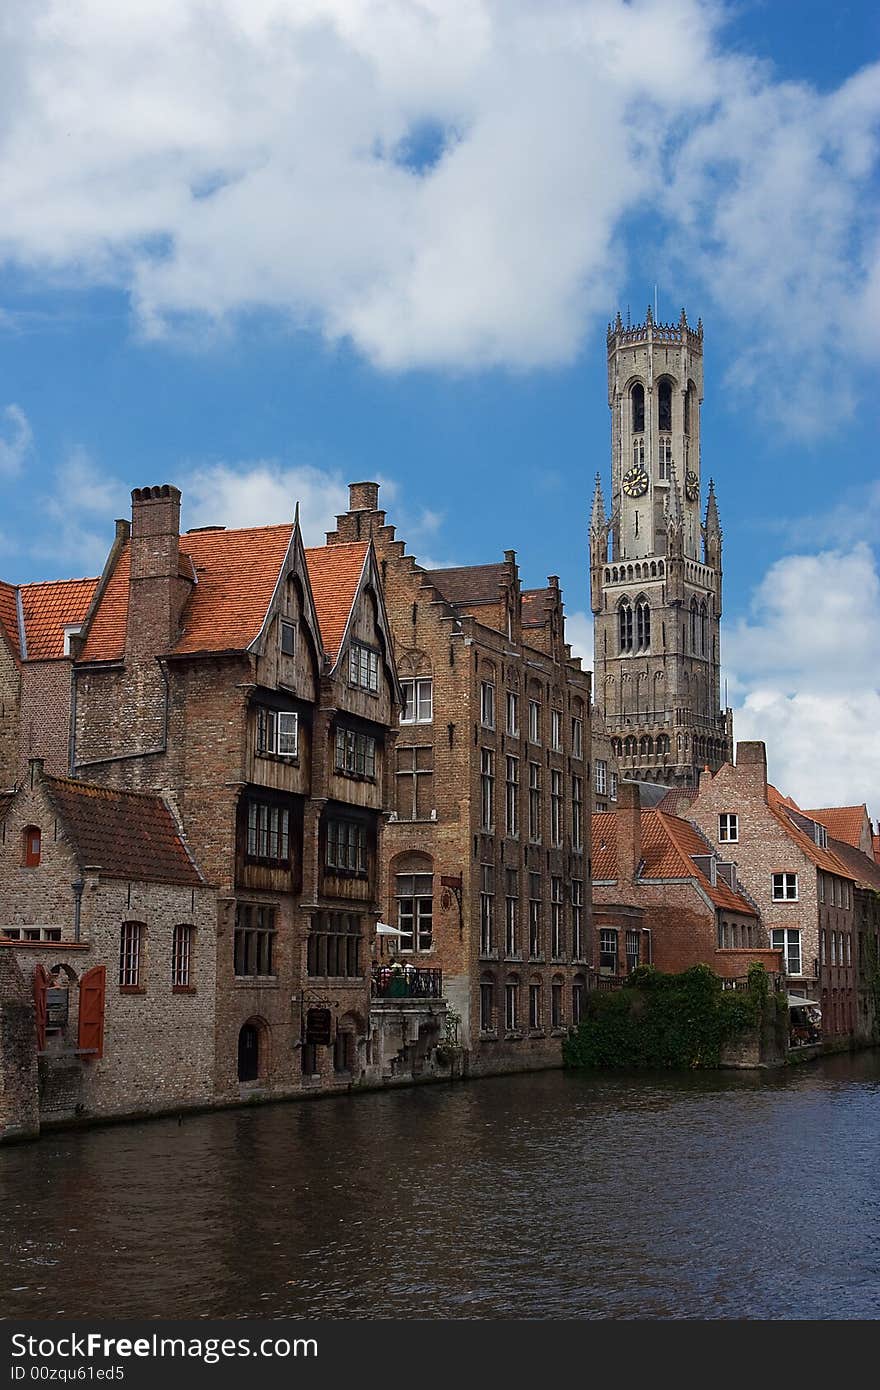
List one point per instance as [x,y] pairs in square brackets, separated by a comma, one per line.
[700,1195]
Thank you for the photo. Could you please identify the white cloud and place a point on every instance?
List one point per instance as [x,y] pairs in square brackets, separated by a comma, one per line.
[579,634]
[263,493]
[16,440]
[443,183]
[805,674]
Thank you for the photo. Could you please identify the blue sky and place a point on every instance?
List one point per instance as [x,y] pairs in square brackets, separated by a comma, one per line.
[269,251]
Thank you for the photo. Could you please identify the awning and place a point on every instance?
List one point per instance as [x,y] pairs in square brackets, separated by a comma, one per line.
[383,929]
[795,1002]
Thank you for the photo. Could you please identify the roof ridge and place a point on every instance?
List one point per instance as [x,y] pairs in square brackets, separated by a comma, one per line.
[809,847]
[81,785]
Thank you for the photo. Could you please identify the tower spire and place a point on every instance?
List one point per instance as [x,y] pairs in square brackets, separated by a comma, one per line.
[598,520]
[713,524]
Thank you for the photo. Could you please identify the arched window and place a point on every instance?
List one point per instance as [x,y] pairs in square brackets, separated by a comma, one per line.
[253,1049]
[487,1003]
[630,746]
[643,625]
[662,743]
[638,408]
[625,625]
[664,405]
[639,452]
[695,627]
[704,628]
[31,844]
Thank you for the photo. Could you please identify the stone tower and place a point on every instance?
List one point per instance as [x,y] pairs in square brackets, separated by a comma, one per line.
[656,596]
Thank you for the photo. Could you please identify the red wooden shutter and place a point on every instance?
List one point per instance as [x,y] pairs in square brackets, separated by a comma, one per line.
[41,984]
[91,1011]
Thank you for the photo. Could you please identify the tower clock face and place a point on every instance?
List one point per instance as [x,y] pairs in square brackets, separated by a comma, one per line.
[635,482]
[691,486]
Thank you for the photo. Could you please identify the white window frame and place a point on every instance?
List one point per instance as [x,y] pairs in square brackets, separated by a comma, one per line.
[418,696]
[791,940]
[534,721]
[511,807]
[601,770]
[577,736]
[556,730]
[277,732]
[513,714]
[363,667]
[487,704]
[487,790]
[784,881]
[728,827]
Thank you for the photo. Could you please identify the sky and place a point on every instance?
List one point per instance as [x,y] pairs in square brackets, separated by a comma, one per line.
[264,248]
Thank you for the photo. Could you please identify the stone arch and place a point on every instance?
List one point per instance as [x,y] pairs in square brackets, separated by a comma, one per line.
[254,1048]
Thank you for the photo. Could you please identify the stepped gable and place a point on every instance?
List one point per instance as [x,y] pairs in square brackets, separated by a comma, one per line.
[335,574]
[128,835]
[668,847]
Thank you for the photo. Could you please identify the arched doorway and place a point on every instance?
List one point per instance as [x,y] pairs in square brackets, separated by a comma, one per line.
[252,1050]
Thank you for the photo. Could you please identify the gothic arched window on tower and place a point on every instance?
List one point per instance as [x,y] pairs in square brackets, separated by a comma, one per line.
[704,628]
[664,405]
[638,408]
[643,625]
[638,453]
[625,625]
[695,627]
[665,457]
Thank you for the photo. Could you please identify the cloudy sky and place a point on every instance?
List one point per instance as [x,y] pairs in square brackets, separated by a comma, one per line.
[264,247]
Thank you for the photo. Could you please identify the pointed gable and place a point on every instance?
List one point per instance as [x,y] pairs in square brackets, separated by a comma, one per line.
[335,573]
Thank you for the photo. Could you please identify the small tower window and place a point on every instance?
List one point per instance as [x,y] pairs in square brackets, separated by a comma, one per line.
[643,625]
[638,408]
[704,629]
[31,843]
[625,625]
[664,405]
[639,453]
[695,627]
[665,458]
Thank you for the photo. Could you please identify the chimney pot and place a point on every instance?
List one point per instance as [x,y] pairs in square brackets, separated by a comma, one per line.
[363,497]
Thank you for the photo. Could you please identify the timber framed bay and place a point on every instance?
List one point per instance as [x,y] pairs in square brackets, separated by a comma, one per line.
[543,1195]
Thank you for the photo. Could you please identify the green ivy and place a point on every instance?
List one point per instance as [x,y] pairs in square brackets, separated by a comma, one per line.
[658,1020]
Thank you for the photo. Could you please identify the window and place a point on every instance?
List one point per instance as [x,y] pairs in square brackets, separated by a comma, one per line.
[511,913]
[363,667]
[556,730]
[254,946]
[334,945]
[638,408]
[577,737]
[664,406]
[834,948]
[512,713]
[822,947]
[788,941]
[487,909]
[511,1005]
[638,452]
[625,625]
[31,846]
[535,943]
[181,956]
[643,625]
[415,911]
[130,941]
[347,846]
[613,786]
[577,918]
[608,952]
[70,630]
[577,799]
[665,458]
[355,753]
[695,628]
[556,1014]
[487,704]
[728,827]
[418,701]
[511,819]
[268,832]
[287,637]
[555,807]
[557,935]
[577,1001]
[534,801]
[785,888]
[487,789]
[415,782]
[601,770]
[535,1011]
[277,732]
[633,943]
[821,878]
[487,1006]
[534,721]
[820,835]
[849,948]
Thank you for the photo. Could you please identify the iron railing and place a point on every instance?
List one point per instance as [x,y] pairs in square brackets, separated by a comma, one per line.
[406,982]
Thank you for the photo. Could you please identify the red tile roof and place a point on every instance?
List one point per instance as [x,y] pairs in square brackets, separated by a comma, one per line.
[864,869]
[823,858]
[668,845]
[48,609]
[845,823]
[131,835]
[334,573]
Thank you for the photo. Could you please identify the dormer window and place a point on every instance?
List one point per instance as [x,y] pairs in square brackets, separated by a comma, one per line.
[287,637]
[71,630]
[363,667]
[820,835]
[31,843]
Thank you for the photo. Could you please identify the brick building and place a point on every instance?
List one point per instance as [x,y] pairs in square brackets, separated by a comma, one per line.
[802,888]
[662,896]
[37,624]
[111,930]
[486,866]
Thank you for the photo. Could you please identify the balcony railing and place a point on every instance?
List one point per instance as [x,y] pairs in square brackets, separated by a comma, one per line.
[406,982]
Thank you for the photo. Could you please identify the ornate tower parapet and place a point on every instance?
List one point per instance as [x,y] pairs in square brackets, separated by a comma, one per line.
[657,597]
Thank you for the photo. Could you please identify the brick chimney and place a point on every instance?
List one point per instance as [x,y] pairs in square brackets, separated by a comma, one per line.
[629,829]
[751,768]
[157,590]
[363,518]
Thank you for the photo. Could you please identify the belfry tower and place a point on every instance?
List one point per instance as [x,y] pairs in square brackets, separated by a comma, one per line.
[656,596]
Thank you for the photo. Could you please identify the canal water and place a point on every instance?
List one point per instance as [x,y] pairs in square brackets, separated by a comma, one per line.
[707,1195]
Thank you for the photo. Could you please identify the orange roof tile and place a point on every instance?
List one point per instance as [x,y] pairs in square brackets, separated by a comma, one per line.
[823,858]
[9,618]
[48,609]
[844,823]
[236,572]
[334,573]
[129,835]
[668,845]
